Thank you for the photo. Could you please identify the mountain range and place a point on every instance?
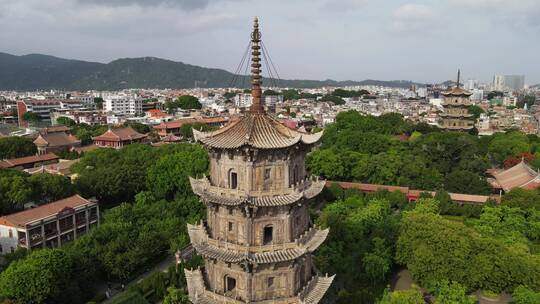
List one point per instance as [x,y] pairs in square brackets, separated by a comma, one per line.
[41,72]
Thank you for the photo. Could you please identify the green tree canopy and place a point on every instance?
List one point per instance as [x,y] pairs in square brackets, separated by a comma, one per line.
[139,127]
[66,121]
[31,117]
[50,187]
[333,99]
[43,277]
[15,190]
[188,102]
[402,297]
[508,144]
[522,198]
[461,181]
[169,176]
[14,147]
[476,111]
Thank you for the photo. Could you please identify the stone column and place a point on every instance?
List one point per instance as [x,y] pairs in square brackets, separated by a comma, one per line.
[98,215]
[43,238]
[27,234]
[87,218]
[74,218]
[58,232]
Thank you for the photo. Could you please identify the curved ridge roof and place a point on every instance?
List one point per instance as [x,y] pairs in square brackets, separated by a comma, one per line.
[457,91]
[307,243]
[257,130]
[202,188]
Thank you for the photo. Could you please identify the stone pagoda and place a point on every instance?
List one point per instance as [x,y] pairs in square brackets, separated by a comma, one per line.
[258,237]
[456,116]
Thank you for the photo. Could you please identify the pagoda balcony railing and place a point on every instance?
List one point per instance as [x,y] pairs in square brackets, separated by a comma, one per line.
[205,184]
[456,115]
[458,127]
[298,242]
[453,104]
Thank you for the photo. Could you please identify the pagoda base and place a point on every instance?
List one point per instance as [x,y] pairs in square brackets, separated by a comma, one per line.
[312,293]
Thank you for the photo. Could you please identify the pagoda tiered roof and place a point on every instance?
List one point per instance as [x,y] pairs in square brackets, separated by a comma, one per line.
[457,91]
[307,189]
[234,253]
[257,130]
[312,293]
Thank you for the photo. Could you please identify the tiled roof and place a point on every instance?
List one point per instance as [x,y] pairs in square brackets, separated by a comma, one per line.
[14,162]
[171,138]
[20,219]
[308,189]
[121,134]
[520,175]
[52,129]
[56,139]
[257,130]
[315,289]
[175,124]
[307,243]
[457,91]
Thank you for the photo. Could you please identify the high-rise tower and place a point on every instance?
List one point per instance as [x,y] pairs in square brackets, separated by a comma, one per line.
[456,114]
[258,237]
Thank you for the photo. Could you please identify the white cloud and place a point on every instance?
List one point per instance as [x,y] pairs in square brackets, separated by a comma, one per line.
[413,18]
[516,13]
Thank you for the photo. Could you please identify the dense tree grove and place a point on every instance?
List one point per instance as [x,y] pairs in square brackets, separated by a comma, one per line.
[133,235]
[85,132]
[18,188]
[492,253]
[16,146]
[389,150]
[373,234]
[185,102]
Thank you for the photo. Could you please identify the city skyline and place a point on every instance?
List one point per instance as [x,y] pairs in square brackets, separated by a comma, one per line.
[423,41]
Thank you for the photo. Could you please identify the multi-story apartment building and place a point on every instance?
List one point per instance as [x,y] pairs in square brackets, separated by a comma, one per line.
[123,105]
[242,100]
[41,107]
[508,82]
[86,100]
[48,226]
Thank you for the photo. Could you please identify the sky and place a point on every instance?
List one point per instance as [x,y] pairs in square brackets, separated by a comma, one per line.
[424,41]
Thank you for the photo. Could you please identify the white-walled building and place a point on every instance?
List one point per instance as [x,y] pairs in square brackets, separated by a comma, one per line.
[48,226]
[123,105]
[243,100]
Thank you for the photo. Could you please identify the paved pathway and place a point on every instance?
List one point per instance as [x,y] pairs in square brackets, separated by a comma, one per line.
[162,266]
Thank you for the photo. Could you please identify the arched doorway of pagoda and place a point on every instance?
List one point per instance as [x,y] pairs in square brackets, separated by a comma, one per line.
[233,179]
[229,283]
[268,234]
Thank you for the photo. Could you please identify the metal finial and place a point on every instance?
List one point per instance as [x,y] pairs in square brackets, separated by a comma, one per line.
[458,75]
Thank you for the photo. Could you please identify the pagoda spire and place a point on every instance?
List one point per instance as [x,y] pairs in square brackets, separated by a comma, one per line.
[256,92]
[458,76]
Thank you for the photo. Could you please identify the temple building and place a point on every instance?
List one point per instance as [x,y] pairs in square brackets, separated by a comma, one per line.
[258,238]
[456,116]
[118,138]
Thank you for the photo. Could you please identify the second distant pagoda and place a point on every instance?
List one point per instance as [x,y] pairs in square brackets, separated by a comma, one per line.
[456,116]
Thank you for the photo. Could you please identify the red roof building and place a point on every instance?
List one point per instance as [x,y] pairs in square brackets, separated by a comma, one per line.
[48,226]
[173,127]
[29,161]
[117,138]
[55,142]
[412,195]
[520,175]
